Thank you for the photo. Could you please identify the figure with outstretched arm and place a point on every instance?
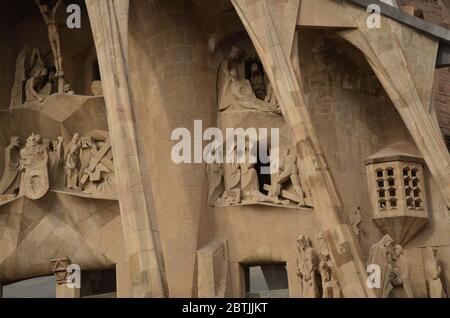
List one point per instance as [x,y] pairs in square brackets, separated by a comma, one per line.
[49,15]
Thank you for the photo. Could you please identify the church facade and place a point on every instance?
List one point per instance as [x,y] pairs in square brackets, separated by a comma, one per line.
[226,148]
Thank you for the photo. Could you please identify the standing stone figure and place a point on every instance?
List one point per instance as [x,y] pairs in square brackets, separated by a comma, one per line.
[327,270]
[72,162]
[34,182]
[10,182]
[381,254]
[49,15]
[401,277]
[307,267]
[215,173]
[17,91]
[249,178]
[433,274]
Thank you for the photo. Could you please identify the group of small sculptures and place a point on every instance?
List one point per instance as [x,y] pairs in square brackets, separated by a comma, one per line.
[238,183]
[33,81]
[395,277]
[84,164]
[236,92]
[317,271]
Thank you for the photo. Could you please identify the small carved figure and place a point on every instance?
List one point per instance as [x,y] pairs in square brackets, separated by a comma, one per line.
[356,221]
[401,275]
[72,162]
[56,158]
[17,91]
[327,270]
[236,91]
[249,178]
[215,174]
[98,176]
[49,15]
[34,182]
[433,274]
[232,180]
[288,171]
[10,182]
[307,267]
[381,254]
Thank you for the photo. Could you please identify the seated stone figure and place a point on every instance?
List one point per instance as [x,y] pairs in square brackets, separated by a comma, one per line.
[238,92]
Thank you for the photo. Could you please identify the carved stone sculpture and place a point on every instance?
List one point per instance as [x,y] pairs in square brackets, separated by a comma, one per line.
[72,162]
[49,15]
[215,175]
[356,221]
[236,91]
[34,182]
[10,182]
[401,277]
[381,254]
[17,91]
[327,270]
[97,177]
[307,265]
[232,180]
[288,172]
[249,178]
[56,158]
[433,274]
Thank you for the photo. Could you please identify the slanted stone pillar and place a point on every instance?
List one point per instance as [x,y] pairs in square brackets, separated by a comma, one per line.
[271,26]
[404,60]
[64,288]
[109,22]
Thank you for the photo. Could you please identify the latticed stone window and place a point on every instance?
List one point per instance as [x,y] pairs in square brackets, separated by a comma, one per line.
[396,188]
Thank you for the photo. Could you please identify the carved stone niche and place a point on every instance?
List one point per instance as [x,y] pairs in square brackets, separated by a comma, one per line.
[398,194]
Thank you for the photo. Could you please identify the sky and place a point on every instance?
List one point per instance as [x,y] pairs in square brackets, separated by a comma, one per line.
[41,287]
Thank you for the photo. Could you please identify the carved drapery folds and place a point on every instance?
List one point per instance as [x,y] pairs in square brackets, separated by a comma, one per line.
[391,273]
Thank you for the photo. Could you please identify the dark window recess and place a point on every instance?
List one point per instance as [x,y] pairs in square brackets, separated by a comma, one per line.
[269,280]
[262,178]
[447,141]
[98,283]
[96,71]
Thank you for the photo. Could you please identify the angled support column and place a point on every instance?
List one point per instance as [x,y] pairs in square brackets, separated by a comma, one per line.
[405,67]
[271,26]
[109,22]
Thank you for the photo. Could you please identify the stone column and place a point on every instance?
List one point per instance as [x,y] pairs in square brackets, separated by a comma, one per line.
[109,22]
[271,26]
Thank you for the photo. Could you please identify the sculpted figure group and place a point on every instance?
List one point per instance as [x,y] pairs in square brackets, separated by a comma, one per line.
[34,81]
[394,280]
[84,164]
[236,92]
[316,270]
[239,183]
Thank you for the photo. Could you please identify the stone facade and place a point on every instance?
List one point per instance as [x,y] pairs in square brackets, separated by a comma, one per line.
[351,187]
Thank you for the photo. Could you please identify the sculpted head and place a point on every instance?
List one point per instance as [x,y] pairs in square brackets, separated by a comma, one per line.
[235,53]
[303,242]
[15,141]
[76,137]
[398,250]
